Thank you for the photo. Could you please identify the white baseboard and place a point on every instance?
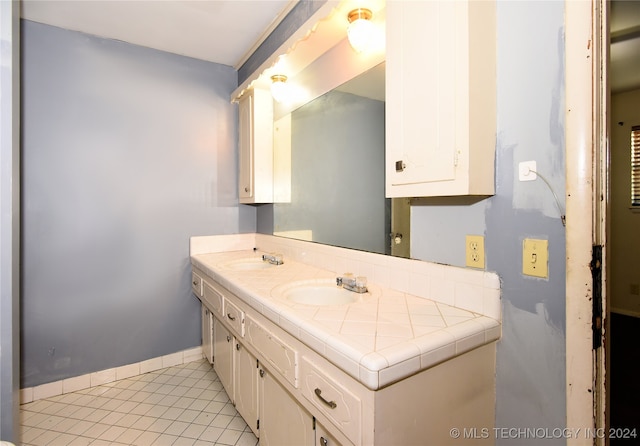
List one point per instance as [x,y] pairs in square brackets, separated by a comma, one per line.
[30,394]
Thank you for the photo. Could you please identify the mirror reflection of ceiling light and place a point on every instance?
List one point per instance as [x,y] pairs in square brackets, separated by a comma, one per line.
[279,88]
[361,30]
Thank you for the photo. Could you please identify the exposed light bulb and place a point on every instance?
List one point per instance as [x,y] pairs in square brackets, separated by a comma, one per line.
[361,30]
[279,88]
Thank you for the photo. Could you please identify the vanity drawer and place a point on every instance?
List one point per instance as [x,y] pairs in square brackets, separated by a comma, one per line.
[234,317]
[196,284]
[282,358]
[212,297]
[332,398]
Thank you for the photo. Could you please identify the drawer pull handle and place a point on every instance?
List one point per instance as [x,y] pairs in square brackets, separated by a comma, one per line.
[331,404]
[228,338]
[195,283]
[231,318]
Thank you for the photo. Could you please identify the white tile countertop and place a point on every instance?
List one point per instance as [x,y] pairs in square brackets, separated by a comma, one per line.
[384,336]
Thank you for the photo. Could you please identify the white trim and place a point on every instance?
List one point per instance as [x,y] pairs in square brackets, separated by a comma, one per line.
[286,10]
[625,312]
[579,125]
[30,394]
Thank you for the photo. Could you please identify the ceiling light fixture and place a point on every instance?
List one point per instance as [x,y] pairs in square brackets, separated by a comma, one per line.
[361,29]
[279,89]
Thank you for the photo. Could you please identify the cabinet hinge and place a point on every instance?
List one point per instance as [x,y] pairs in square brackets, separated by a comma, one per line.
[455,158]
[314,423]
[258,424]
[596,298]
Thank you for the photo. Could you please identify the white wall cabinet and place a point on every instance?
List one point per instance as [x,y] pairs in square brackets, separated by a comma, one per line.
[440,98]
[255,142]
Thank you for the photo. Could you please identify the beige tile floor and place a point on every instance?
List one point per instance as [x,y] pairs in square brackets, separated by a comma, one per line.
[182,405]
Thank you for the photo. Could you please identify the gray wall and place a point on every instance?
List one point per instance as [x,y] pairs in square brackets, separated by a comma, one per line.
[531,354]
[337,173]
[127,152]
[9,220]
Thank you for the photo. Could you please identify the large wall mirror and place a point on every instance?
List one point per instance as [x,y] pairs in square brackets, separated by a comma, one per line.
[335,162]
[337,169]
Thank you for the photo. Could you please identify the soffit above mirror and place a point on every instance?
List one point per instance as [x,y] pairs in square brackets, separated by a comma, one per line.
[321,32]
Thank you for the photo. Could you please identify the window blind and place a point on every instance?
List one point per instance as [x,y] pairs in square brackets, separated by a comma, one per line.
[635,166]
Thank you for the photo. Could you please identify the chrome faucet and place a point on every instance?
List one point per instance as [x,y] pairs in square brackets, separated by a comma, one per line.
[274,259]
[352,283]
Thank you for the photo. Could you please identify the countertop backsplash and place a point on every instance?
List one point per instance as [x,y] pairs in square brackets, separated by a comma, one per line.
[466,288]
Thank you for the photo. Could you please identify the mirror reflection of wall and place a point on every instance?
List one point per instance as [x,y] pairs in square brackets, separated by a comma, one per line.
[337,174]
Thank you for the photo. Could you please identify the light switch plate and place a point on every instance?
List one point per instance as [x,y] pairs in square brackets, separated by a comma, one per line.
[475,251]
[535,257]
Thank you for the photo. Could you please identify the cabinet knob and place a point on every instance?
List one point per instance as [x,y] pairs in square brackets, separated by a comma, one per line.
[323,441]
[400,166]
[237,346]
[261,373]
[246,189]
[228,338]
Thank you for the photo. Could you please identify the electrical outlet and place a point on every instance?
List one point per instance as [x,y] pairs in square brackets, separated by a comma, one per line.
[475,251]
[535,257]
[527,171]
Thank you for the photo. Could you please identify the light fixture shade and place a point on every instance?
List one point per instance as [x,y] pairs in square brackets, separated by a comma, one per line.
[361,31]
[279,89]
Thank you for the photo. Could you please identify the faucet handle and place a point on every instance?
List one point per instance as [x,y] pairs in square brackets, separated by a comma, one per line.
[361,281]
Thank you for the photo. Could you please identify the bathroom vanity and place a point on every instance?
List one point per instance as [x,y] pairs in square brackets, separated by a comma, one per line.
[391,366]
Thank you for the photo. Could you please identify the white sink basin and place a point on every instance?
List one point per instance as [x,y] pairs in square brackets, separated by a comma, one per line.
[250,263]
[323,293]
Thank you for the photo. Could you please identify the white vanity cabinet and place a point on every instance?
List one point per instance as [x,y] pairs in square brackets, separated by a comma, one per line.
[290,394]
[207,334]
[255,127]
[323,437]
[283,421]
[237,369]
[440,98]
[245,378]
[223,342]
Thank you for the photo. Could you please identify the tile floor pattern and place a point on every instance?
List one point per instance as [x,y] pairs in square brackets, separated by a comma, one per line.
[182,405]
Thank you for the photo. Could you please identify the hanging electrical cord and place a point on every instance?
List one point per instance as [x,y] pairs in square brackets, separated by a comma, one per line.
[563,217]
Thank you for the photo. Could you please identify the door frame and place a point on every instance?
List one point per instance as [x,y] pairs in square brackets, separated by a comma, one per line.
[586,200]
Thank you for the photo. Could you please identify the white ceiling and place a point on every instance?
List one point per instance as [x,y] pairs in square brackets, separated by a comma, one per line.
[222,31]
[227,31]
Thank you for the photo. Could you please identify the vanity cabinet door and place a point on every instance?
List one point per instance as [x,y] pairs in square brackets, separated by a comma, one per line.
[255,142]
[440,98]
[223,352]
[283,422]
[324,438]
[246,386]
[207,334]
